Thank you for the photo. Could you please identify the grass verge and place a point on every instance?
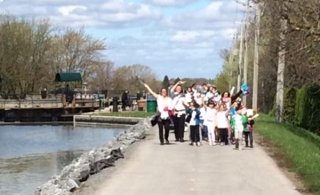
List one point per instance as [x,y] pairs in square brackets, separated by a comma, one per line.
[127,114]
[296,148]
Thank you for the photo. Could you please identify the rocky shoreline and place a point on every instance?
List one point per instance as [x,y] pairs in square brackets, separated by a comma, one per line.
[92,162]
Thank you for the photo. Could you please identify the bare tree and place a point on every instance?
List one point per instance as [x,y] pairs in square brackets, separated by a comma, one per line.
[77,52]
[102,79]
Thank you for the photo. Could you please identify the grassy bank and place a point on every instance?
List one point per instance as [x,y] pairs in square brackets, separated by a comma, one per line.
[126,114]
[299,149]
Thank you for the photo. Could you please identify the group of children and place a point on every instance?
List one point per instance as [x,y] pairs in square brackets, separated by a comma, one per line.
[221,118]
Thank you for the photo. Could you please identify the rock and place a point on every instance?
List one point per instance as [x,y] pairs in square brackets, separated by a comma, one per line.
[117,153]
[92,162]
[71,185]
[66,171]
[80,172]
[84,175]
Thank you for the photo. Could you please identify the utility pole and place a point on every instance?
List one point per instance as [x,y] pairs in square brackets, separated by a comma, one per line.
[240,56]
[242,32]
[256,57]
[246,39]
[230,60]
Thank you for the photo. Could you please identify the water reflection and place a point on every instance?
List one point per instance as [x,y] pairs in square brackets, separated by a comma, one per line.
[29,156]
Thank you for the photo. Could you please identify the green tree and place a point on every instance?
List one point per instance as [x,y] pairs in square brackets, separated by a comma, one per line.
[165,82]
[177,80]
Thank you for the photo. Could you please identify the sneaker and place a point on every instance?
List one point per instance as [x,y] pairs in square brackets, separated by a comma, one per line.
[222,144]
[191,144]
[210,144]
[198,144]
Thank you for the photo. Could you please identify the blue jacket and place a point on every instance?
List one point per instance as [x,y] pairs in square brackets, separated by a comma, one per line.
[197,118]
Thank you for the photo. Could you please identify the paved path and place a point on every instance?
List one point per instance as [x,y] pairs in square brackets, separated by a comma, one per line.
[180,169]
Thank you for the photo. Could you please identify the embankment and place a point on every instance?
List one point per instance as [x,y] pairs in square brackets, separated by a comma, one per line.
[92,162]
[294,149]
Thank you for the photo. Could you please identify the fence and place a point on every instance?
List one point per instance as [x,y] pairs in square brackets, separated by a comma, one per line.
[11,101]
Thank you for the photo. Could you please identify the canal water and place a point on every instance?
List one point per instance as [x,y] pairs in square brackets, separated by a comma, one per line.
[31,155]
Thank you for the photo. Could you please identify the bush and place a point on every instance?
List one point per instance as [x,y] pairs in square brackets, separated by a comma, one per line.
[289,104]
[307,108]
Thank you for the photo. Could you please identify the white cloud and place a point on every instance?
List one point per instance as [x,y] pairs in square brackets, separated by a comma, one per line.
[170,3]
[191,36]
[164,41]
[67,10]
[109,13]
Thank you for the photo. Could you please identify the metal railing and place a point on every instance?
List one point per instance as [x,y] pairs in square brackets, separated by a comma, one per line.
[17,101]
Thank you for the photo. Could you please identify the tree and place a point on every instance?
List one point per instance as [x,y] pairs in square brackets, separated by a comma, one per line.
[33,51]
[165,82]
[177,80]
[281,64]
[102,79]
[222,82]
[129,77]
[77,52]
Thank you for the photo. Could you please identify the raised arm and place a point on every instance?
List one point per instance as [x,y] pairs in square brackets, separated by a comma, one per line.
[175,86]
[203,103]
[151,91]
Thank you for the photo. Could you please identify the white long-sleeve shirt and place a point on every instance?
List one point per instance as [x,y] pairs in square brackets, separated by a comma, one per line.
[222,120]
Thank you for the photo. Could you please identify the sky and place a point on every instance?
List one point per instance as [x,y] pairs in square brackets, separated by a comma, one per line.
[178,38]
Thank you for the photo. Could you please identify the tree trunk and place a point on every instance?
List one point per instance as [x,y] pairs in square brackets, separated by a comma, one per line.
[281,66]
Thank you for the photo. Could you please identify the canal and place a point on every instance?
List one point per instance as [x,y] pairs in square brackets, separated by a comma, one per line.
[31,155]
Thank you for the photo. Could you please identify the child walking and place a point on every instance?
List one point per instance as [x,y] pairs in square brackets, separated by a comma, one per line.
[223,124]
[239,123]
[194,112]
[248,133]
[211,121]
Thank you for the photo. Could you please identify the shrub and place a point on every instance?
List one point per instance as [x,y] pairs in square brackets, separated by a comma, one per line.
[289,103]
[307,108]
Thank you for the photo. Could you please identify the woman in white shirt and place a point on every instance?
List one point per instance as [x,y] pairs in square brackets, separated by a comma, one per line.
[179,107]
[163,102]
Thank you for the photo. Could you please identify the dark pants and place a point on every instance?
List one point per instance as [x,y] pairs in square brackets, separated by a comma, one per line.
[195,133]
[216,131]
[124,105]
[179,126]
[164,124]
[223,135]
[248,135]
[232,136]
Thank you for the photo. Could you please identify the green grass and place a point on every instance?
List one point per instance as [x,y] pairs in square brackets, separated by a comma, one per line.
[126,114]
[298,146]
